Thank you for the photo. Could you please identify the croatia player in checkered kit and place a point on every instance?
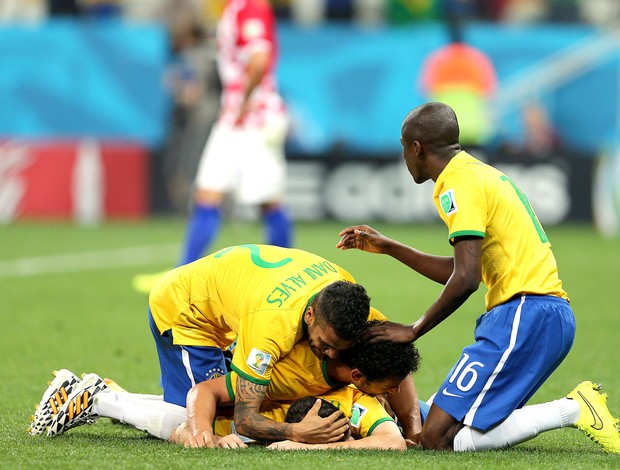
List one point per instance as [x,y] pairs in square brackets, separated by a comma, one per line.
[244,154]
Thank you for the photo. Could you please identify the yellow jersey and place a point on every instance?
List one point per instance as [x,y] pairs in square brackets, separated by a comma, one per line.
[299,374]
[365,413]
[256,293]
[475,199]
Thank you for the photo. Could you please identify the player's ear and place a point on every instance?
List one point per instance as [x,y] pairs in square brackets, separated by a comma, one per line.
[418,149]
[309,315]
[356,377]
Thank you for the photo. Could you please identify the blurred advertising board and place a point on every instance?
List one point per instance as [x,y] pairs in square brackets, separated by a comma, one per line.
[84,180]
[350,87]
[64,79]
[362,189]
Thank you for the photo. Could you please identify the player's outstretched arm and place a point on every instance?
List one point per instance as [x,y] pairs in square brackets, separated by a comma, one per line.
[464,281]
[202,402]
[385,436]
[366,238]
[250,423]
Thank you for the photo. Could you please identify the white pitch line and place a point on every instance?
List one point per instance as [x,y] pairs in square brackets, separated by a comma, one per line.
[88,261]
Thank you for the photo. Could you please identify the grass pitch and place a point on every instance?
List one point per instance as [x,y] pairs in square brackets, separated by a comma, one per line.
[66,301]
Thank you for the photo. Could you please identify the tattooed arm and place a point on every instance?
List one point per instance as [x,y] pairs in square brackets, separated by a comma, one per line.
[313,429]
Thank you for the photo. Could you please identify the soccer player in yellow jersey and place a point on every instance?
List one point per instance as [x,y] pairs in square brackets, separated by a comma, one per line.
[370,424]
[269,298]
[378,368]
[529,326]
[371,427]
[375,369]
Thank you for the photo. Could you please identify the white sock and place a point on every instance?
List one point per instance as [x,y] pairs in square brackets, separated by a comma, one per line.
[522,425]
[145,412]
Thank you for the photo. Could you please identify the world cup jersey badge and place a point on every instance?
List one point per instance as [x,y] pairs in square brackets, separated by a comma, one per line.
[258,361]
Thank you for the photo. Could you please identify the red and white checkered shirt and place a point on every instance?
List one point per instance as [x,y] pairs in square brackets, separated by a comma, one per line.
[247,26]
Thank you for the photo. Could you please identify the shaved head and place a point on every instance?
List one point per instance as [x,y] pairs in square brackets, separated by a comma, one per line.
[434,126]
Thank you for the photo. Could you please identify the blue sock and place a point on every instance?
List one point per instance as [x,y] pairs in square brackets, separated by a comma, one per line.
[279,227]
[202,228]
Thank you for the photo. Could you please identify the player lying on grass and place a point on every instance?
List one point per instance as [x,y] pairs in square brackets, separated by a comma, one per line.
[371,427]
[583,408]
[377,368]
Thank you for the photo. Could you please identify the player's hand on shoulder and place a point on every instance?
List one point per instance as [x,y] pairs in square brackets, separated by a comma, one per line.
[231,441]
[362,237]
[316,430]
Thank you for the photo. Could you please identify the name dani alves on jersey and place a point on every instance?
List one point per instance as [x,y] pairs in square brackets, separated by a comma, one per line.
[306,277]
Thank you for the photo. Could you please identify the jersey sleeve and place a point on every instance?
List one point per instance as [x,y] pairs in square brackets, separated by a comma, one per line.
[462,205]
[366,414]
[231,384]
[376,315]
[264,338]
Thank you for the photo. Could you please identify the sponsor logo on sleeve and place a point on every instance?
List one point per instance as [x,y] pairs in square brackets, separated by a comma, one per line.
[253,29]
[258,361]
[357,413]
[448,202]
[450,394]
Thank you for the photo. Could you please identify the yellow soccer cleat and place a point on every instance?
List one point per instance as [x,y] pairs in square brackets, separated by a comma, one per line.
[595,420]
[113,385]
[143,283]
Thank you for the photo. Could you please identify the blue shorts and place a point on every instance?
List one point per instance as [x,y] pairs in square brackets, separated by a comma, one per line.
[182,367]
[424,409]
[518,345]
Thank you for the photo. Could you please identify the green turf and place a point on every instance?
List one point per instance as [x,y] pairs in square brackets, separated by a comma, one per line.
[91,320]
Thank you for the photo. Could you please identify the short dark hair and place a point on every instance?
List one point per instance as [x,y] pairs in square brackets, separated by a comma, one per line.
[383,359]
[299,409]
[345,307]
[434,125]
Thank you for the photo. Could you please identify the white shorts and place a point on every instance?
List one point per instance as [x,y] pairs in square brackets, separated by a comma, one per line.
[246,162]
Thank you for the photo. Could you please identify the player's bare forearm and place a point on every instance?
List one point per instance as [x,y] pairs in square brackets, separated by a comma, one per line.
[386,436]
[256,70]
[202,402]
[451,298]
[366,238]
[248,419]
[463,282]
[435,268]
[406,406]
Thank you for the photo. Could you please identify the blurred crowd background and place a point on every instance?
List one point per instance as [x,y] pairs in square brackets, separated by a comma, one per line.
[547,103]
[304,12]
